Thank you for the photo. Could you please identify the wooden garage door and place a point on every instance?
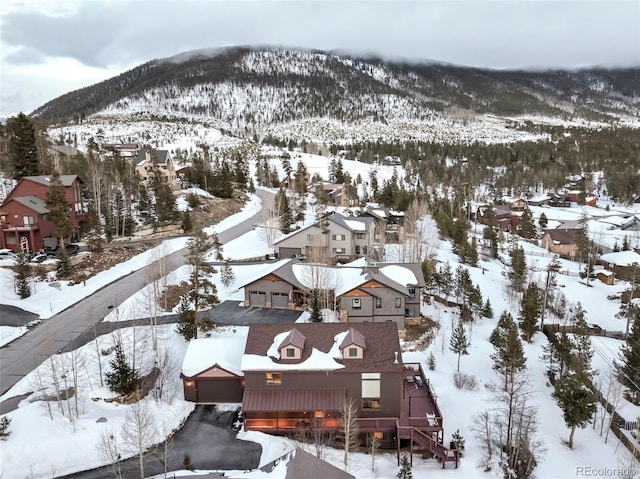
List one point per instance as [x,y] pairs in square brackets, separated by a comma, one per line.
[219,390]
[280,300]
[258,298]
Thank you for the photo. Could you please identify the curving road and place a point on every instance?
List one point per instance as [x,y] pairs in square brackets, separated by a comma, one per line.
[23,355]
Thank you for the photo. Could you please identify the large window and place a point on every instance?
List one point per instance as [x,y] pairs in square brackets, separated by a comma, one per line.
[360,236]
[27,220]
[398,302]
[378,303]
[274,378]
[339,250]
[370,390]
[339,237]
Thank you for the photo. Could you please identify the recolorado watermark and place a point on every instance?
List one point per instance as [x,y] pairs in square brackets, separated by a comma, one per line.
[589,471]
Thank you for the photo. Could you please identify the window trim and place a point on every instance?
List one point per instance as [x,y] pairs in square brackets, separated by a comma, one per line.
[273,378]
[378,303]
[398,303]
[290,352]
[359,303]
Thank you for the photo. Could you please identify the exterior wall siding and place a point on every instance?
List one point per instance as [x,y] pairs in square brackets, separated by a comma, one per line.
[268,287]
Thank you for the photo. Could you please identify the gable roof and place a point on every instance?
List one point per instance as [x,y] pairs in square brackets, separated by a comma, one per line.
[352,223]
[381,340]
[563,235]
[67,150]
[353,337]
[67,180]
[294,338]
[160,156]
[202,354]
[31,202]
[621,258]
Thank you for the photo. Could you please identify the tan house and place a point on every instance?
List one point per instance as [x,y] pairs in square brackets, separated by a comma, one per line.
[560,241]
[149,161]
[331,240]
[620,262]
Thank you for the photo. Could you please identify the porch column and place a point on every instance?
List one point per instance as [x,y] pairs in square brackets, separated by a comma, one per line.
[17,235]
[32,240]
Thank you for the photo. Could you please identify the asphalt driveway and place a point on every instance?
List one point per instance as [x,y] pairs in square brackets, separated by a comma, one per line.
[234,314]
[14,316]
[209,440]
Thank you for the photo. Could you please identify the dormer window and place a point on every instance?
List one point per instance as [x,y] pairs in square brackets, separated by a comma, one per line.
[353,352]
[291,352]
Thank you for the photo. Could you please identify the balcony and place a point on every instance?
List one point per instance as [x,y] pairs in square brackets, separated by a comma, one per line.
[419,406]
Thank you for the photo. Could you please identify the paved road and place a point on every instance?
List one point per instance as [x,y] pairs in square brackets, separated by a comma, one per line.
[208,439]
[26,353]
[14,316]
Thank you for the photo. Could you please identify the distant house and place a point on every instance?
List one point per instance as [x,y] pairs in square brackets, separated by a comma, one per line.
[298,377]
[389,224]
[560,241]
[24,224]
[620,262]
[559,200]
[150,161]
[606,276]
[503,216]
[125,150]
[330,240]
[539,200]
[60,155]
[336,194]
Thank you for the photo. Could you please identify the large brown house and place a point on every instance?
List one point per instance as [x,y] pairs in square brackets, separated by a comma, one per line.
[300,377]
[23,214]
[363,291]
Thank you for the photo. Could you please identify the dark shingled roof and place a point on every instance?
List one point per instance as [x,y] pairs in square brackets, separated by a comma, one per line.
[381,340]
[294,338]
[67,180]
[32,202]
[353,337]
[160,156]
[563,235]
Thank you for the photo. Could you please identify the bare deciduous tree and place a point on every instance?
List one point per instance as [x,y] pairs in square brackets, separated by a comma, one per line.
[348,413]
[138,432]
[107,447]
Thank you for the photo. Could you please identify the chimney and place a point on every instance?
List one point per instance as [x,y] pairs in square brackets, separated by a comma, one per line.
[395,361]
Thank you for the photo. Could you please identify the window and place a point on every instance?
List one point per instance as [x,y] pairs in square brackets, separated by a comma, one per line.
[353,352]
[370,390]
[291,353]
[357,249]
[398,302]
[338,237]
[412,293]
[364,250]
[370,403]
[378,303]
[378,435]
[309,237]
[339,250]
[27,220]
[360,236]
[409,312]
[274,378]
[356,303]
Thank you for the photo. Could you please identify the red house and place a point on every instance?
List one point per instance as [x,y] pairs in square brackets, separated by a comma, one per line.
[23,214]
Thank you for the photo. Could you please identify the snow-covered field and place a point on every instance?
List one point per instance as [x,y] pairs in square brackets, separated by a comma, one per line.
[62,449]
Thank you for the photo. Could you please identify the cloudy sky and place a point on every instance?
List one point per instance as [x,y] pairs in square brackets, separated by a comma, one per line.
[49,48]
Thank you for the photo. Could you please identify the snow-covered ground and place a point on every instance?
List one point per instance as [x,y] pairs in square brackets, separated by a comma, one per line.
[64,450]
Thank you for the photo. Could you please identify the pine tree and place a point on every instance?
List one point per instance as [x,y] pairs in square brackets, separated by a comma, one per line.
[227,276]
[508,358]
[22,146]
[625,243]
[283,211]
[431,362]
[491,235]
[405,468]
[316,316]
[186,223]
[459,343]
[543,221]
[472,252]
[5,422]
[459,441]
[518,272]
[186,462]
[202,291]
[21,271]
[581,239]
[165,201]
[530,310]
[629,367]
[185,323]
[58,207]
[122,378]
[527,226]
[63,266]
[573,388]
[94,229]
[487,310]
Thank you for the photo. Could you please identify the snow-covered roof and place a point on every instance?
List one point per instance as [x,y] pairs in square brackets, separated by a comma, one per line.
[621,258]
[203,354]
[355,225]
[336,349]
[399,274]
[317,361]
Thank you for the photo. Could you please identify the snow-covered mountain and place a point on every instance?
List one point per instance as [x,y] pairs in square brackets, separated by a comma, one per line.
[321,96]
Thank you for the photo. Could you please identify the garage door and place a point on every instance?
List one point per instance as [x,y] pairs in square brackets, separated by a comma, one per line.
[280,300]
[258,298]
[219,390]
